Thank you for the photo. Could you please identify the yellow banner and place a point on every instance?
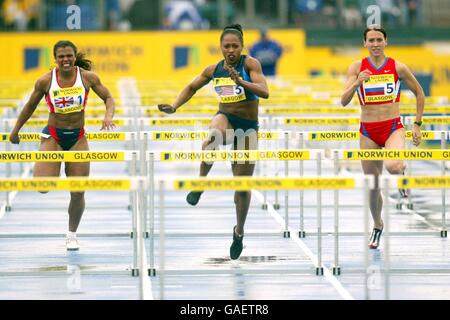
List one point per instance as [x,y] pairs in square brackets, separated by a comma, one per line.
[428,109]
[106,136]
[201,135]
[396,154]
[179,122]
[152,111]
[424,182]
[354,135]
[241,184]
[88,122]
[253,155]
[72,184]
[93,136]
[62,156]
[320,121]
[179,54]
[436,120]
[308,110]
[333,135]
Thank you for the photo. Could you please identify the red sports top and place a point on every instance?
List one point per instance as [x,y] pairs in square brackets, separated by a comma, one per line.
[383,85]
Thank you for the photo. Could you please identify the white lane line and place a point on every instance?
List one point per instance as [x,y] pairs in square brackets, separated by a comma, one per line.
[148,290]
[328,275]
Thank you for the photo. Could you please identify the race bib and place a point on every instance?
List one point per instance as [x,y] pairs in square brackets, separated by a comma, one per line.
[379,88]
[228,91]
[68,100]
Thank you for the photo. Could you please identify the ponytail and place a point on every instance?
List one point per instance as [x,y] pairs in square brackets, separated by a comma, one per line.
[82,62]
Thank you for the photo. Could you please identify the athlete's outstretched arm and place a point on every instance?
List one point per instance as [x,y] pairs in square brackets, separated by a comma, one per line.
[107,98]
[354,80]
[39,91]
[406,75]
[258,85]
[188,92]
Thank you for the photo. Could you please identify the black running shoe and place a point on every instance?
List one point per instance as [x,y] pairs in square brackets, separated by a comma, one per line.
[193,197]
[374,240]
[236,246]
[404,193]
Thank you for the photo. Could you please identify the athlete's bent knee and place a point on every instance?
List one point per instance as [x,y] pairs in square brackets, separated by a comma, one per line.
[395,167]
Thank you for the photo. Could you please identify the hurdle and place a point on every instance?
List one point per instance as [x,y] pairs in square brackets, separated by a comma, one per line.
[136,185]
[75,156]
[250,155]
[392,182]
[266,183]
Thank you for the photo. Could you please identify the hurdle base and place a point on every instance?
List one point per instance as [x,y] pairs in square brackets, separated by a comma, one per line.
[337,271]
[302,234]
[286,234]
[443,233]
[276,206]
[134,272]
[8,208]
[264,206]
[152,272]
[319,271]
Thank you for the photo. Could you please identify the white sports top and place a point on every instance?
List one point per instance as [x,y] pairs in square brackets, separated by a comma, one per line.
[66,100]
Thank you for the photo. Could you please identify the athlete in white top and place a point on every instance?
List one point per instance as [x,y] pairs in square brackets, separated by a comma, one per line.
[66,88]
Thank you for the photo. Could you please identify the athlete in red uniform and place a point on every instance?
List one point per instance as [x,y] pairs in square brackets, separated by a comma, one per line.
[66,89]
[376,79]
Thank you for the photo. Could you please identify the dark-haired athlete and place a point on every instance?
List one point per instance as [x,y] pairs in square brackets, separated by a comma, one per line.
[376,79]
[238,81]
[66,90]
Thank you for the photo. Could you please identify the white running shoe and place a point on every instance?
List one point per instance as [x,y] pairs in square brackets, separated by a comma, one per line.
[72,244]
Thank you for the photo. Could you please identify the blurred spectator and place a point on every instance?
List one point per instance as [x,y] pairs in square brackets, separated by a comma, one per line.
[113,14]
[412,7]
[390,12]
[351,14]
[306,9]
[267,52]
[182,15]
[144,14]
[329,13]
[20,15]
[209,10]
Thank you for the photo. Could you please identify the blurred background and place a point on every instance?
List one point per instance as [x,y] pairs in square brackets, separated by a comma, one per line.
[323,15]
[164,39]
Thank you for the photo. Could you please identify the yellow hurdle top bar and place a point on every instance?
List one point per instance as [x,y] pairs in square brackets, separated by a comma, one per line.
[203,134]
[91,136]
[415,182]
[370,154]
[251,155]
[270,183]
[354,135]
[324,121]
[67,156]
[37,122]
[71,184]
